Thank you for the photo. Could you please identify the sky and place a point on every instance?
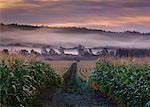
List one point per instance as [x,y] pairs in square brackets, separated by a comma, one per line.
[114,15]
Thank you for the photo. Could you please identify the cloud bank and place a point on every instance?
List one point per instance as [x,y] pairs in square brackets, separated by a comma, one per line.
[115,15]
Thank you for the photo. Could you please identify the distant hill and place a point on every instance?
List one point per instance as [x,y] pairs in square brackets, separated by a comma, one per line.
[39,36]
[10,27]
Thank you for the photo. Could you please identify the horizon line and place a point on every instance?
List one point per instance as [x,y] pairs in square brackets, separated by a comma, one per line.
[104,30]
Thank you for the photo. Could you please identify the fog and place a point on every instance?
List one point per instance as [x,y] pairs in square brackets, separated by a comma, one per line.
[56,38]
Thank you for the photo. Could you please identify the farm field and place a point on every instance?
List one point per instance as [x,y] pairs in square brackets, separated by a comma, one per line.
[126,60]
[75,53]
[84,67]
[21,80]
[102,75]
[127,84]
[60,66]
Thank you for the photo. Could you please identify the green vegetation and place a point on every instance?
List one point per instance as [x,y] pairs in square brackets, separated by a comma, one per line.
[128,84]
[72,80]
[69,76]
[21,81]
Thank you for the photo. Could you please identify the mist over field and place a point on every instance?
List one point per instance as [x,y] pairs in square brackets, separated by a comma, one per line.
[57,37]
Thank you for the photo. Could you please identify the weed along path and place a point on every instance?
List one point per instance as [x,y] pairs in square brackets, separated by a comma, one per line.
[73,93]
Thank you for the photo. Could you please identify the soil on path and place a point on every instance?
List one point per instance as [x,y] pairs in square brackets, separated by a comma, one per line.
[72,96]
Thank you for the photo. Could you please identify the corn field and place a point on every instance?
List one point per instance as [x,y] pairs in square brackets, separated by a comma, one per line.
[60,66]
[127,84]
[84,68]
[22,80]
[125,81]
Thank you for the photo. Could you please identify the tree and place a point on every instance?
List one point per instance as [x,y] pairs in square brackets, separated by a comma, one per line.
[44,51]
[5,51]
[105,51]
[81,50]
[52,52]
[61,50]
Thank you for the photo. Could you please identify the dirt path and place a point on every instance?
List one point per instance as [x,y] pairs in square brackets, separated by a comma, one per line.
[72,96]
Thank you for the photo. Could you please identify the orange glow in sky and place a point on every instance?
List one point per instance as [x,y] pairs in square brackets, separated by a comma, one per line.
[88,13]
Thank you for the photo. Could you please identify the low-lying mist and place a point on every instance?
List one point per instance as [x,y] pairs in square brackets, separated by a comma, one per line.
[55,38]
